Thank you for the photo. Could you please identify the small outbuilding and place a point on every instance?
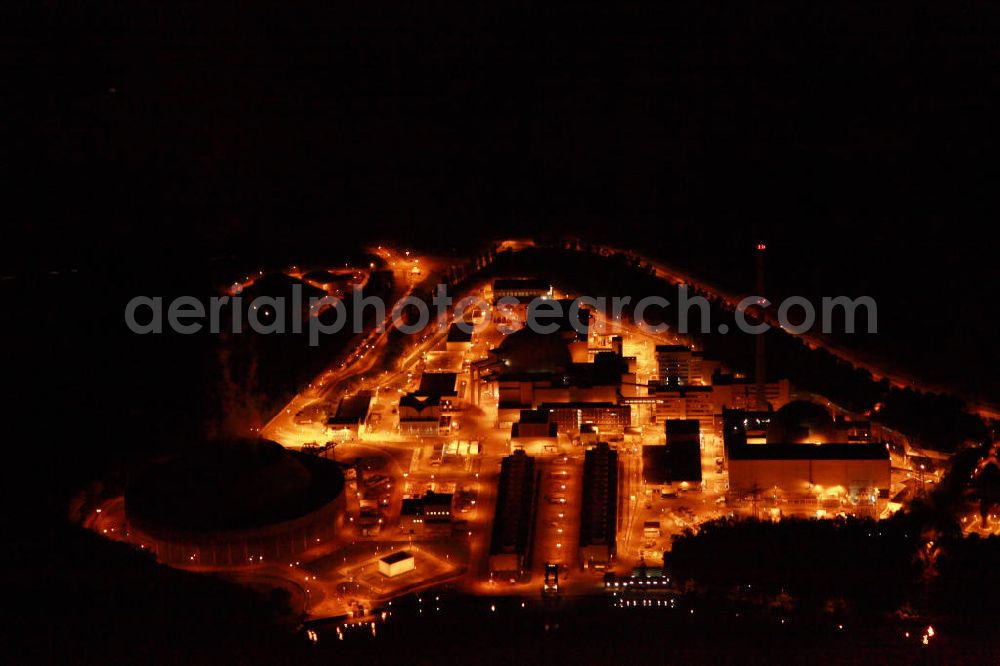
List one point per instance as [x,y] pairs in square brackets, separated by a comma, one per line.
[397,563]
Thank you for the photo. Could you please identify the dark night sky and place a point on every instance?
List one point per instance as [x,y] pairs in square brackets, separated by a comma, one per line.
[846,125]
[856,139]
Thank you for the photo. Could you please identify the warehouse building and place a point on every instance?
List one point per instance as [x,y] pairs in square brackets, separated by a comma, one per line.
[351,414]
[512,523]
[534,433]
[428,516]
[683,450]
[604,417]
[803,461]
[599,509]
[523,289]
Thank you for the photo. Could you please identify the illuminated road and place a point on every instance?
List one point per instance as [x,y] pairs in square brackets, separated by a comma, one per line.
[364,351]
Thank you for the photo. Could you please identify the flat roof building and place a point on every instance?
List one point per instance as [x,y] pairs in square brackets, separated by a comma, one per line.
[419,414]
[352,412]
[523,289]
[441,384]
[678,364]
[396,564]
[458,333]
[534,433]
[655,466]
[599,508]
[427,516]
[674,401]
[801,459]
[459,338]
[671,463]
[605,417]
[683,450]
[682,430]
[533,423]
[706,403]
[510,541]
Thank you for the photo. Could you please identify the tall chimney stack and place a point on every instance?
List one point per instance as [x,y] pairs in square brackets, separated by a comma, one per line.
[760,365]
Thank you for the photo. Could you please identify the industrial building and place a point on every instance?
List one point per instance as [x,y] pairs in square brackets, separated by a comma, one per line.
[426,411]
[351,414]
[740,393]
[676,462]
[683,450]
[534,423]
[597,382]
[523,289]
[444,385]
[534,432]
[674,402]
[655,466]
[529,368]
[510,542]
[396,564]
[428,516]
[459,338]
[679,364]
[605,417]
[419,415]
[705,403]
[599,508]
[798,455]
